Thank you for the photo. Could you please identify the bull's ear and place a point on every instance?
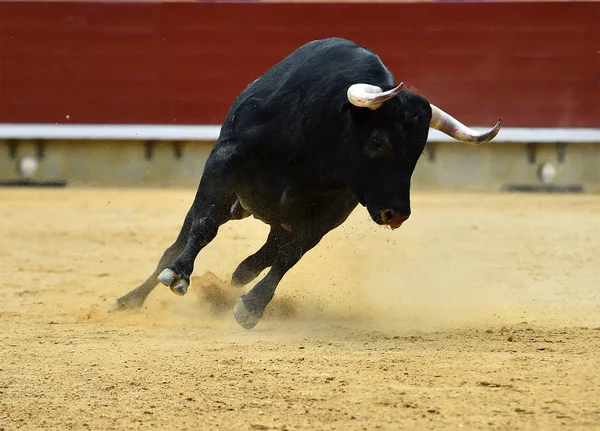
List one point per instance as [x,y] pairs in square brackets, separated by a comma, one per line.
[345,107]
[357,114]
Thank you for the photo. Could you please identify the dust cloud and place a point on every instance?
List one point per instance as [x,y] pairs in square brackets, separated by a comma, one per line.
[441,270]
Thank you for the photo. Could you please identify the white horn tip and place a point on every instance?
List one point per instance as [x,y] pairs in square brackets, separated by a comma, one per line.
[487,137]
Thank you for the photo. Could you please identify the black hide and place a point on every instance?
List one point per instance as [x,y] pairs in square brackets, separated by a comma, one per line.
[294,153]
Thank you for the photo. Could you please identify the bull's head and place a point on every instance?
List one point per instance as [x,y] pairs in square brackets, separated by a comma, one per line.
[392,127]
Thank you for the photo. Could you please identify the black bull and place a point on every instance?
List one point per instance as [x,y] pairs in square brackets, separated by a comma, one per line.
[325,129]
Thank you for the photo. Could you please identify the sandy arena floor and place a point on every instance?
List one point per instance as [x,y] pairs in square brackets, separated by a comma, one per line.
[481,312]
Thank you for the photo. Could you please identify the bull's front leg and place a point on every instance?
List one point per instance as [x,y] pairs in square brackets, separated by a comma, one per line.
[251,306]
[253,265]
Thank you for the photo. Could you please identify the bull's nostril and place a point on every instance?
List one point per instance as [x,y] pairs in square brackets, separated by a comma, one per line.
[387,215]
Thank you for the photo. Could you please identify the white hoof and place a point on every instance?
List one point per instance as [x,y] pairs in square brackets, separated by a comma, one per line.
[245,318]
[170,279]
[167,277]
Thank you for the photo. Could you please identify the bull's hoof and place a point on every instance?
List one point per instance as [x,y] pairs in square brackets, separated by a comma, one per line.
[180,288]
[118,306]
[167,277]
[126,303]
[243,316]
[177,285]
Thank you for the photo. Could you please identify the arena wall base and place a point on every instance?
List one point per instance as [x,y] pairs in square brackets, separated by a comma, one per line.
[507,166]
[127,163]
[547,167]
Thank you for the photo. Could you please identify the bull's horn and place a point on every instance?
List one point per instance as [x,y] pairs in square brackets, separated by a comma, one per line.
[445,123]
[371,96]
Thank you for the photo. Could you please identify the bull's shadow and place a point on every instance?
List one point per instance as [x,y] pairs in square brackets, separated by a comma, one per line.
[322,131]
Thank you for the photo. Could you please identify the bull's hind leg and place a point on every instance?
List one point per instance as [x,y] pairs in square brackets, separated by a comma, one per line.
[211,209]
[136,297]
[213,205]
[252,266]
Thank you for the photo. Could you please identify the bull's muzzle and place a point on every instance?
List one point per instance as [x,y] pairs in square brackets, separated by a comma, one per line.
[391,218]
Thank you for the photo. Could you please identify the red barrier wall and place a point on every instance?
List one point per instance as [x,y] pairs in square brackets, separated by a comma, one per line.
[535,64]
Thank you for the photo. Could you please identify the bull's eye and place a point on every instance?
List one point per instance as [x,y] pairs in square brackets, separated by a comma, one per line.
[379,146]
